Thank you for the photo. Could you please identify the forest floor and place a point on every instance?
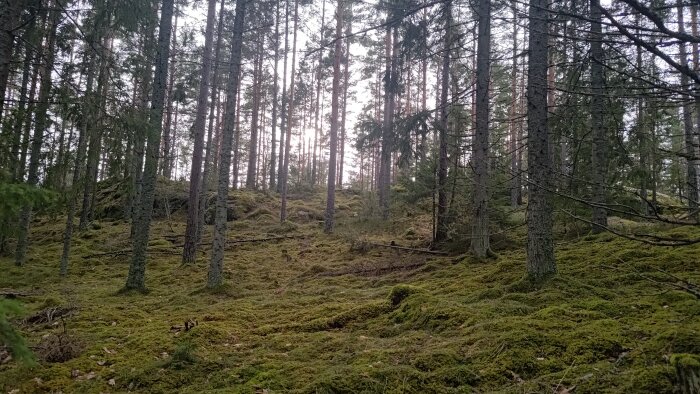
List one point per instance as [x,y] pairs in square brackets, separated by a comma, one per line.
[319,313]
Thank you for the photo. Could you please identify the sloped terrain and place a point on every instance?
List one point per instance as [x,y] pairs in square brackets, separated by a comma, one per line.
[312,313]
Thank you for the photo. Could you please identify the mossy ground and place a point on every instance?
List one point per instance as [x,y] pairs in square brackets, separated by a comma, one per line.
[289,320]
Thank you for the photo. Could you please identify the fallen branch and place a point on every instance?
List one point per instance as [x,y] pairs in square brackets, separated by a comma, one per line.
[376,270]
[12,293]
[173,250]
[363,245]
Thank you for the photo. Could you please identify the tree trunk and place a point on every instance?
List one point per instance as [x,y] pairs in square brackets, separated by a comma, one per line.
[283,110]
[540,246]
[215,274]
[387,126]
[287,146]
[84,128]
[513,126]
[250,181]
[189,250]
[599,144]
[10,11]
[206,174]
[275,95]
[480,215]
[346,86]
[168,142]
[317,107]
[333,148]
[690,140]
[144,210]
[42,122]
[441,225]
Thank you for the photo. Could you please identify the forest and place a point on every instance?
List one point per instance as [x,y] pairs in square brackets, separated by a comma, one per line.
[382,196]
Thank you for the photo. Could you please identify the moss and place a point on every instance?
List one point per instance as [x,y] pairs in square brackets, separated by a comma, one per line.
[400,292]
[292,326]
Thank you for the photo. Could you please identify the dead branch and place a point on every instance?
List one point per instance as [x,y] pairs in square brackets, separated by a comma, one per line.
[364,244]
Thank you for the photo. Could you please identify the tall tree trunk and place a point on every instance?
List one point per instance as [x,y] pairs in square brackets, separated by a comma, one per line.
[84,128]
[251,177]
[283,111]
[275,95]
[136,279]
[480,216]
[189,250]
[10,11]
[317,107]
[94,142]
[513,125]
[690,140]
[216,267]
[30,37]
[599,144]
[540,246]
[213,122]
[384,180]
[346,86]
[287,146]
[42,122]
[441,225]
[333,148]
[168,142]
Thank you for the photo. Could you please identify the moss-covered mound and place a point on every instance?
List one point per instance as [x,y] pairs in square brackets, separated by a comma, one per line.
[304,314]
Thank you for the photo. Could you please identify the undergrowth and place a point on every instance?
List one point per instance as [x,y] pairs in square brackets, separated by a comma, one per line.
[286,323]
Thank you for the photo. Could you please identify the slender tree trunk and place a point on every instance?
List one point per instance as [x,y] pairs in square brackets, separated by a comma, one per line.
[599,145]
[136,279]
[10,11]
[275,95]
[84,128]
[42,122]
[287,147]
[283,111]
[540,246]
[346,86]
[213,117]
[317,107]
[480,215]
[216,267]
[168,142]
[333,148]
[189,250]
[250,181]
[387,126]
[441,225]
[22,105]
[690,140]
[513,146]
[237,138]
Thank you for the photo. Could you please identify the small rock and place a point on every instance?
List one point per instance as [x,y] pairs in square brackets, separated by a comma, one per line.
[112,382]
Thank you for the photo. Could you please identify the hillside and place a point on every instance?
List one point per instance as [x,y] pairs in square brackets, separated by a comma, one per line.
[312,313]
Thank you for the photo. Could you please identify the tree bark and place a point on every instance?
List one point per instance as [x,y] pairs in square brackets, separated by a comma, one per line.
[144,210]
[41,124]
[215,274]
[10,11]
[690,140]
[540,246]
[599,144]
[275,95]
[480,215]
[189,250]
[287,146]
[441,224]
[333,148]
[251,177]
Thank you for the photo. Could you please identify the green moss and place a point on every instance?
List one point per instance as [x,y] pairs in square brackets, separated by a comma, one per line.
[293,325]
